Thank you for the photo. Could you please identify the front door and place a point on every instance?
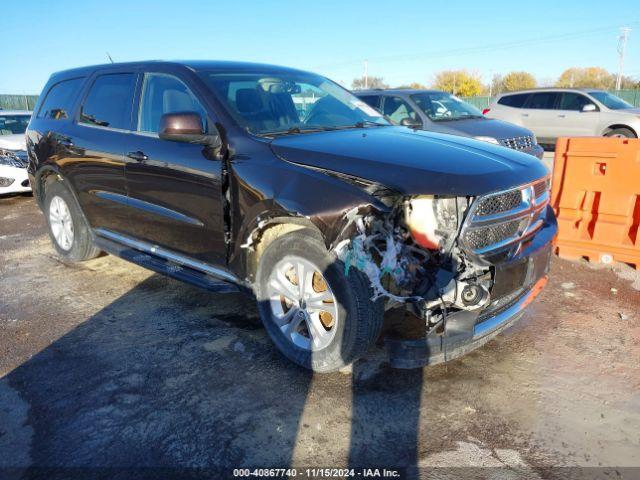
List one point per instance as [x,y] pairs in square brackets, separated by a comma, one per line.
[175,199]
[573,122]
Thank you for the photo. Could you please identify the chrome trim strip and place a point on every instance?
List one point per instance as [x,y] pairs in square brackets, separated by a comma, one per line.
[490,324]
[529,207]
[168,255]
[148,207]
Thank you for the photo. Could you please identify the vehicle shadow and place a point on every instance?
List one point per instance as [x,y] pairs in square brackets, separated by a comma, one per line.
[169,381]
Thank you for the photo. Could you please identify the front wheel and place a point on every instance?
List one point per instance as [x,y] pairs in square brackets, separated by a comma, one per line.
[317,316]
[620,133]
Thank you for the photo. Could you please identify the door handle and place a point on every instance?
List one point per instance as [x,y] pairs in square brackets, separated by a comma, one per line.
[138,156]
[525,114]
[561,116]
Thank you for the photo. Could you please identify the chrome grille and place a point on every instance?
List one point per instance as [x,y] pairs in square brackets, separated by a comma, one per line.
[483,237]
[541,187]
[499,221]
[518,143]
[499,203]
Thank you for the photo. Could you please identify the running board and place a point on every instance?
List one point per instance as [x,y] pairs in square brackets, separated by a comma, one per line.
[134,251]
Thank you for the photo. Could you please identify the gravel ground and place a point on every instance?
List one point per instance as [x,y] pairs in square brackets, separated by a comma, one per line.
[109,366]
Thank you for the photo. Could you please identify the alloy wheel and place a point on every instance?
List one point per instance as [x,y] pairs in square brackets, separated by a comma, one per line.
[302,303]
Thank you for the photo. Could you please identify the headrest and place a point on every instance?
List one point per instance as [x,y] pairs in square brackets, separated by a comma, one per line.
[248,100]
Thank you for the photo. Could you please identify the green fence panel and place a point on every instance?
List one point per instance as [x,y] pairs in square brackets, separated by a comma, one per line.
[18,102]
[478,102]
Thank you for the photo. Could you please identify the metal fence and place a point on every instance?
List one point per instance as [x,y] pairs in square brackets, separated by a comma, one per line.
[631,96]
[18,102]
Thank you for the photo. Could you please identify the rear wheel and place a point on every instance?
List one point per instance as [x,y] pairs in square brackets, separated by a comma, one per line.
[620,133]
[68,229]
[317,316]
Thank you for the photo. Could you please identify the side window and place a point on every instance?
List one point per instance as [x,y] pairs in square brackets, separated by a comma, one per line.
[108,103]
[162,94]
[396,109]
[58,102]
[372,100]
[542,101]
[573,101]
[515,101]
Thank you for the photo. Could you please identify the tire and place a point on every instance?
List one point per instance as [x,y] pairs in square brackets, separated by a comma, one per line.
[357,321]
[620,133]
[75,244]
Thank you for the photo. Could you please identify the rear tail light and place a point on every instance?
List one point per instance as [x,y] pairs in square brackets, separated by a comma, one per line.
[485,111]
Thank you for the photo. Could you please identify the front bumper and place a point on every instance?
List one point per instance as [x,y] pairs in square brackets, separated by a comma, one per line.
[16,178]
[517,283]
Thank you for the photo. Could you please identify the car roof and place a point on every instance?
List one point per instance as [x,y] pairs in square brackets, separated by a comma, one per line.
[195,65]
[395,91]
[15,112]
[551,89]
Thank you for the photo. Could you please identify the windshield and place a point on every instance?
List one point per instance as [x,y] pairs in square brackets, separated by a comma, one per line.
[610,101]
[289,103]
[13,124]
[441,106]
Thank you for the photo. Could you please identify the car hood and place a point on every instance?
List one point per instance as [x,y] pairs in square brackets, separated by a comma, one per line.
[13,142]
[413,162]
[475,127]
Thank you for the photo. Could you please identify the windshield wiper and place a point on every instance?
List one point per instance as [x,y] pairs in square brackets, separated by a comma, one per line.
[294,131]
[369,123]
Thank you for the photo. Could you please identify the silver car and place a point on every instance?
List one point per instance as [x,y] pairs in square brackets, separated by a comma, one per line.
[567,112]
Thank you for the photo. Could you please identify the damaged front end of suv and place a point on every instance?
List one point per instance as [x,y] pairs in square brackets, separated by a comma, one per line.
[461,267]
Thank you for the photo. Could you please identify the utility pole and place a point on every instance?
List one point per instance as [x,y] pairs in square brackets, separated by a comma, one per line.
[622,45]
[366,74]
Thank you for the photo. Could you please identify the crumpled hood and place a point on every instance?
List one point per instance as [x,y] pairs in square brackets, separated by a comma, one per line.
[476,127]
[13,142]
[413,162]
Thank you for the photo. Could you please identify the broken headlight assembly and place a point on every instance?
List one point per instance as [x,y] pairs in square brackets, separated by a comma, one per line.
[434,221]
[411,255]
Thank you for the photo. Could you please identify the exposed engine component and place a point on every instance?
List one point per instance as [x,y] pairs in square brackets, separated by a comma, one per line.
[411,256]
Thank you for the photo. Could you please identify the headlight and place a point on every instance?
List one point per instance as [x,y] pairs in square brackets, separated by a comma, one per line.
[10,159]
[432,220]
[488,140]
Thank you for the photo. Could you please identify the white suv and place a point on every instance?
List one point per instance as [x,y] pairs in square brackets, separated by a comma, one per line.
[13,151]
[567,112]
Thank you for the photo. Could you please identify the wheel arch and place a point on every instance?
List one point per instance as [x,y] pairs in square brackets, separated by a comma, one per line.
[619,125]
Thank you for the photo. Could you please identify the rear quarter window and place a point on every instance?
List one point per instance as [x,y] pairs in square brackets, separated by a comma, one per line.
[515,101]
[59,101]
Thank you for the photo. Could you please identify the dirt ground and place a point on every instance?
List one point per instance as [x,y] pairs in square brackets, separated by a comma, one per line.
[107,367]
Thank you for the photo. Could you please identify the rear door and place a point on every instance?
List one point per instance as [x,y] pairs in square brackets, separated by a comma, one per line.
[540,115]
[94,148]
[175,194]
[572,121]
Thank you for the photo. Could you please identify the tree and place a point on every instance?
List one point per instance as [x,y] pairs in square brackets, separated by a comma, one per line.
[589,77]
[458,82]
[372,82]
[514,81]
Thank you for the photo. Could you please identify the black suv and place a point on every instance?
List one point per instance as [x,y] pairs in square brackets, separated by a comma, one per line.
[281,183]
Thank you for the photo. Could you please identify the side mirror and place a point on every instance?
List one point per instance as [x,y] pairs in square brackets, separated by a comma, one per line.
[410,122]
[185,127]
[589,107]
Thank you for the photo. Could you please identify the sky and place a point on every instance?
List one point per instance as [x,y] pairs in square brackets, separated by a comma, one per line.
[403,41]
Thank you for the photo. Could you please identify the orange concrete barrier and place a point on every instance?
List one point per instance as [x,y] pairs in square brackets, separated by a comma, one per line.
[596,196]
